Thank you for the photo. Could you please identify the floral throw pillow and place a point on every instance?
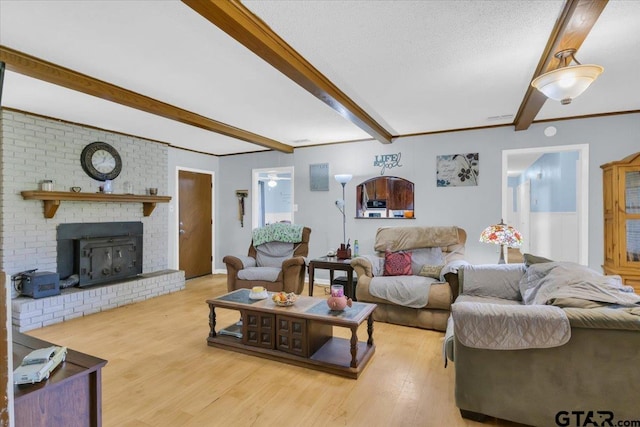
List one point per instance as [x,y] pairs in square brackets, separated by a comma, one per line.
[397,263]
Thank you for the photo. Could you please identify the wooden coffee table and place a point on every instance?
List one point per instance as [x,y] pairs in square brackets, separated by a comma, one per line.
[301,334]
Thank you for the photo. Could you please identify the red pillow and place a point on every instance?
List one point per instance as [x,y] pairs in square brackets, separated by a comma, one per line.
[397,263]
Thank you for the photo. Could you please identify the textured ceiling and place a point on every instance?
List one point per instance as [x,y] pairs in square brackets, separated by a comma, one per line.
[414,66]
[421,66]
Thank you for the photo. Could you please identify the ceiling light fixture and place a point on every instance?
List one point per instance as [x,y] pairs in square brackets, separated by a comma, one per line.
[567,81]
[272,183]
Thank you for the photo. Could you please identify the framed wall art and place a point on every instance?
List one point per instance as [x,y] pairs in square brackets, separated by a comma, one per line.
[457,170]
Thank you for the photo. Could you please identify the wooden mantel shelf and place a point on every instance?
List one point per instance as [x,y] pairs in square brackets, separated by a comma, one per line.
[52,199]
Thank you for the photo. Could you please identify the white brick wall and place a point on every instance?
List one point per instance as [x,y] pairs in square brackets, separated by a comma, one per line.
[28,313]
[33,149]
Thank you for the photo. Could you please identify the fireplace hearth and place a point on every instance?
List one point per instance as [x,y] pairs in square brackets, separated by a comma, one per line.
[100,253]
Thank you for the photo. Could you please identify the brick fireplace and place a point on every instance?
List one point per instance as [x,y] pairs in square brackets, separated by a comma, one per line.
[36,148]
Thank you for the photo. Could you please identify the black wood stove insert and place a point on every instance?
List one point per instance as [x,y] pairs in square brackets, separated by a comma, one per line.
[100,252]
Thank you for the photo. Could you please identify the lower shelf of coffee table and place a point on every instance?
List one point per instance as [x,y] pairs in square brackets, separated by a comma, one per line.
[333,357]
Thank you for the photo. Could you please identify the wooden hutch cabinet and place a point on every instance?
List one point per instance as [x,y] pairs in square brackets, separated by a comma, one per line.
[621,186]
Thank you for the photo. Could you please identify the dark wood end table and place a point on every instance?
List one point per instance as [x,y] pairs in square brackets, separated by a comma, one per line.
[332,264]
[71,396]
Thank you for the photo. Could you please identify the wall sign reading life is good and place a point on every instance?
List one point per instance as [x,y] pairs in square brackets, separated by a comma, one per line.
[387,161]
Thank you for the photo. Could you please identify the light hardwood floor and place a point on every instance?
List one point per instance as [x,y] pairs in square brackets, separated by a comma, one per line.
[161,372]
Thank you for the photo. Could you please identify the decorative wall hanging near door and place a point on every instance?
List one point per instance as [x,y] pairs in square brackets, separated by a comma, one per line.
[241,195]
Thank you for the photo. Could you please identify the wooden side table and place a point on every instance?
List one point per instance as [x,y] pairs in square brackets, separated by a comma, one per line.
[72,396]
[332,264]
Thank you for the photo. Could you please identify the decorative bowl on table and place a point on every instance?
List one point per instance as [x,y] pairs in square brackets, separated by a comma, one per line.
[284,299]
[258,292]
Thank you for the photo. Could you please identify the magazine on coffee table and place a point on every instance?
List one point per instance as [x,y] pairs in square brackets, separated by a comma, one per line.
[234,330]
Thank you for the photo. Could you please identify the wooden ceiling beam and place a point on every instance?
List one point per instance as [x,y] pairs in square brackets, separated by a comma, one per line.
[240,23]
[46,71]
[572,27]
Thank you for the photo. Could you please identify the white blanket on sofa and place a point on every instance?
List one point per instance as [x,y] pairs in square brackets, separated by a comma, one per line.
[548,282]
[509,327]
[408,291]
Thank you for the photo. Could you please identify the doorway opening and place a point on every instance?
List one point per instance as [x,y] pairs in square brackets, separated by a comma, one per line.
[545,196]
[272,198]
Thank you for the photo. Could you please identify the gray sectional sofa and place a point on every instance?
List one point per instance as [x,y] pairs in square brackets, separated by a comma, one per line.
[509,364]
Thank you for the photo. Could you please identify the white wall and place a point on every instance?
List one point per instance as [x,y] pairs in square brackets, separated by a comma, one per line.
[466,207]
[236,174]
[554,235]
[472,208]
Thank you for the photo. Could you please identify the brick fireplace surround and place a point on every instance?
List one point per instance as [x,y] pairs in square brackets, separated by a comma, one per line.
[33,149]
[29,313]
